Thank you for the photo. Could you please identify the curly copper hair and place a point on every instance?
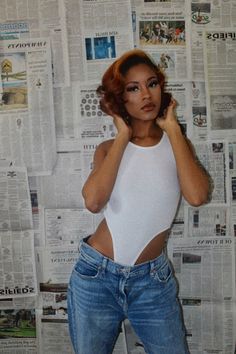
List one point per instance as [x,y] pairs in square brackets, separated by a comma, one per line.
[112,86]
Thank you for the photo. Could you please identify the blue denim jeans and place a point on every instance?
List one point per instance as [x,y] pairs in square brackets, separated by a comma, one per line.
[102,293]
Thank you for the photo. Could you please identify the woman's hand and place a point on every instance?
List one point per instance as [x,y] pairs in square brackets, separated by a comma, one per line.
[123,128]
[169,120]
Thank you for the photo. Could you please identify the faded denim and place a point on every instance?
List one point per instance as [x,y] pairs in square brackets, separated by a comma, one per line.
[102,293]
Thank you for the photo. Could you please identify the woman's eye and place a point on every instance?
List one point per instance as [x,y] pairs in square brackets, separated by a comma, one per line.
[132,88]
[153,83]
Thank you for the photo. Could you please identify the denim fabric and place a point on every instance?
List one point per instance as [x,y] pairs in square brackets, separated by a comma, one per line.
[102,293]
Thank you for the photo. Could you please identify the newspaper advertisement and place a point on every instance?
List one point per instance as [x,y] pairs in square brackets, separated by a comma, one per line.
[106,35]
[214,158]
[204,267]
[15,210]
[18,275]
[220,67]
[18,331]
[166,33]
[208,220]
[68,226]
[36,19]
[26,104]
[93,122]
[63,188]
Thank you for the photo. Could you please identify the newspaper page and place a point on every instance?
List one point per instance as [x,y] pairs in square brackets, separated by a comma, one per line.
[18,275]
[208,220]
[39,18]
[27,124]
[107,33]
[15,210]
[18,331]
[220,67]
[204,267]
[63,188]
[210,326]
[204,15]
[166,31]
[214,157]
[68,226]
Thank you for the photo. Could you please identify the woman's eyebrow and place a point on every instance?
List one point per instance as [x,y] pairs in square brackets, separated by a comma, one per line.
[137,82]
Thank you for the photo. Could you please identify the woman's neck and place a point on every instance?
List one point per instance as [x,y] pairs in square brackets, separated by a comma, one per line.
[146,133]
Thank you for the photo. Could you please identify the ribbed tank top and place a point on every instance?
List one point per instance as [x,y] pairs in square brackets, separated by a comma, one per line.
[144,198]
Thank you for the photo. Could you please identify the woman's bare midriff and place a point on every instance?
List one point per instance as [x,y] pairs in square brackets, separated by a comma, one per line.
[101,241]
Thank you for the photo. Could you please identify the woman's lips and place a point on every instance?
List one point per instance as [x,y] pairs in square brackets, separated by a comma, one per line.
[148,107]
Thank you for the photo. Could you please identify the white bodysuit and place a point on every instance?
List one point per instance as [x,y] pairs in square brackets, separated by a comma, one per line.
[144,198]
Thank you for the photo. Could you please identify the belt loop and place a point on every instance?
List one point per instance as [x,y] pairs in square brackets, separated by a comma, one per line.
[104,263]
[80,245]
[152,266]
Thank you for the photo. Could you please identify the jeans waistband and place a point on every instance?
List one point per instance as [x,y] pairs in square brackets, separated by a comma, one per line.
[94,256]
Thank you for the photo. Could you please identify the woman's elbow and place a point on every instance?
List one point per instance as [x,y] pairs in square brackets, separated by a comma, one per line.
[197,201]
[92,207]
[200,197]
[92,202]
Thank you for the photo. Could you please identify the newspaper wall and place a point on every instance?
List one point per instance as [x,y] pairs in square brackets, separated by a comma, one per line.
[52,56]
[35,19]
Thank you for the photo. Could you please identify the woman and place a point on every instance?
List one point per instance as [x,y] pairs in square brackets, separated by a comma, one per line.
[122,271]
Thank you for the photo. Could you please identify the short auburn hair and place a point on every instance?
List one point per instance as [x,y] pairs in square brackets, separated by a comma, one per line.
[113,82]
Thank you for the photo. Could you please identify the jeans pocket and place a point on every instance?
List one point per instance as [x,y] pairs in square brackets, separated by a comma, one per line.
[163,273]
[86,269]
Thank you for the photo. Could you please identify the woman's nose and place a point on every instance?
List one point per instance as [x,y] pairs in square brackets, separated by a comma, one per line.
[145,92]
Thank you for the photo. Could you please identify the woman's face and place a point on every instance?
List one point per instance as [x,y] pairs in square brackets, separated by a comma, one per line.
[142,93]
